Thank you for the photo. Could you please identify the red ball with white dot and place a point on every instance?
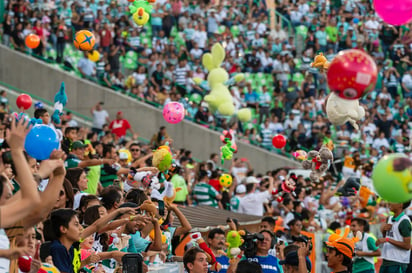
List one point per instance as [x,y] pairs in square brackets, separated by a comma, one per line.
[24,263]
[352,74]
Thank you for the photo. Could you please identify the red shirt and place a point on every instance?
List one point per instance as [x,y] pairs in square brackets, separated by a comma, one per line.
[215,184]
[119,127]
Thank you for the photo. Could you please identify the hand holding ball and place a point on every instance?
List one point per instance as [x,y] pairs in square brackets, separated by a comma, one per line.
[41,141]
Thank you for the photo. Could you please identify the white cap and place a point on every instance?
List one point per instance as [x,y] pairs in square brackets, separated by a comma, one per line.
[252,180]
[123,155]
[241,189]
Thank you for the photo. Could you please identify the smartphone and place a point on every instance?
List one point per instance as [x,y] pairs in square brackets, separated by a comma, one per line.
[132,263]
[161,205]
[6,156]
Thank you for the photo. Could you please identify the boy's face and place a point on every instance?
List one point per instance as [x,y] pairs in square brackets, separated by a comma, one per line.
[72,135]
[355,227]
[45,118]
[74,230]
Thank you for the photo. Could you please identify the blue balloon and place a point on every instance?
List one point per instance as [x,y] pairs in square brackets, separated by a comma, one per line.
[355,20]
[41,141]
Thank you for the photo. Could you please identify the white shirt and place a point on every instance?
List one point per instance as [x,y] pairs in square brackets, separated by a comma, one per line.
[379,142]
[200,37]
[252,203]
[99,118]
[407,80]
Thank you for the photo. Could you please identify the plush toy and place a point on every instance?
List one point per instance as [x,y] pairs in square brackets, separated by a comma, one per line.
[318,162]
[215,266]
[141,10]
[340,111]
[226,151]
[350,187]
[60,100]
[364,194]
[229,134]
[168,195]
[320,62]
[152,236]
[122,242]
[219,99]
[337,238]
[162,158]
[233,243]
[150,208]
[288,186]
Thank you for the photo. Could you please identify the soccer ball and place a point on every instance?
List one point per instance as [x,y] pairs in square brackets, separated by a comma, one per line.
[48,268]
[84,40]
[225,180]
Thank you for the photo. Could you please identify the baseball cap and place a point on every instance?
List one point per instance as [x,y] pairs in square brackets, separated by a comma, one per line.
[241,189]
[78,144]
[292,258]
[252,180]
[120,112]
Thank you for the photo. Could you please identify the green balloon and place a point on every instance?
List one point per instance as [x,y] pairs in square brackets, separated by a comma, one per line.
[195,97]
[392,178]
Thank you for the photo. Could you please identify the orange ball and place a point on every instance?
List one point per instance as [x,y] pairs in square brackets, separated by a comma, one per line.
[84,40]
[32,41]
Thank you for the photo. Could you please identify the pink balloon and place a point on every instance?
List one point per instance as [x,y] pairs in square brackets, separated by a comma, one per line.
[174,112]
[394,12]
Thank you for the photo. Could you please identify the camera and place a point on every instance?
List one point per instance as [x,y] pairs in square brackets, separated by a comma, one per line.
[249,246]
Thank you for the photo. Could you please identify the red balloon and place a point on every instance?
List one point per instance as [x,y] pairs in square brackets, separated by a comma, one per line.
[32,41]
[279,141]
[24,101]
[24,263]
[352,74]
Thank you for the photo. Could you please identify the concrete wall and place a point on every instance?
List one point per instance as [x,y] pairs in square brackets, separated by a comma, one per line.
[43,80]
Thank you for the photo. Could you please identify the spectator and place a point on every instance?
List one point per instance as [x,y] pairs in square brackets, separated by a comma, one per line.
[120,126]
[195,260]
[205,194]
[252,202]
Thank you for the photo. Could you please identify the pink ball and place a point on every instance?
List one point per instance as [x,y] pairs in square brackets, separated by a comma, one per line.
[174,112]
[394,12]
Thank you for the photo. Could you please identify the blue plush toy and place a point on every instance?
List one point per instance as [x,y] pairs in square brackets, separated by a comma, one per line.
[60,100]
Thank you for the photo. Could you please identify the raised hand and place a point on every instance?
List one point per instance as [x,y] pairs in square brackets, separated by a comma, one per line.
[17,133]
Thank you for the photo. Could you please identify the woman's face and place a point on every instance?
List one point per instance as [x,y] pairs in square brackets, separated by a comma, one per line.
[102,211]
[30,241]
[82,183]
[61,200]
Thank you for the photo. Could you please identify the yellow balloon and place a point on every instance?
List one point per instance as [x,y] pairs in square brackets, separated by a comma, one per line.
[239,77]
[197,80]
[94,56]
[207,61]
[218,54]
[244,114]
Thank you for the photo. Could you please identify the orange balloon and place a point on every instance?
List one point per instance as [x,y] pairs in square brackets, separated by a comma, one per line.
[32,41]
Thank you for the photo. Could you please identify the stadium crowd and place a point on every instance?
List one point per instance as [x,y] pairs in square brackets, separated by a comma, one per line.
[157,63]
[285,94]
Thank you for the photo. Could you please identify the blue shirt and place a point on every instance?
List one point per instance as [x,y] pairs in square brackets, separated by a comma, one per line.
[251,97]
[269,264]
[224,262]
[137,244]
[62,258]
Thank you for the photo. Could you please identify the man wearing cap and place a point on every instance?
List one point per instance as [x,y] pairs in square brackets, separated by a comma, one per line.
[396,240]
[235,200]
[76,157]
[252,202]
[119,126]
[296,262]
[340,254]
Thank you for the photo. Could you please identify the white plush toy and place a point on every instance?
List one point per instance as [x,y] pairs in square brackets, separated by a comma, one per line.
[340,111]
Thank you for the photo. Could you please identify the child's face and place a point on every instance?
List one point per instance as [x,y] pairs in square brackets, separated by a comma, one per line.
[72,135]
[74,230]
[87,243]
[45,118]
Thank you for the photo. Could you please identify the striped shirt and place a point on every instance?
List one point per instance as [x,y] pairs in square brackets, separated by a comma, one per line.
[205,194]
[180,75]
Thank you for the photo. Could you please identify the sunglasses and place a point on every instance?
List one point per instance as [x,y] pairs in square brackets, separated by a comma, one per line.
[135,150]
[62,193]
